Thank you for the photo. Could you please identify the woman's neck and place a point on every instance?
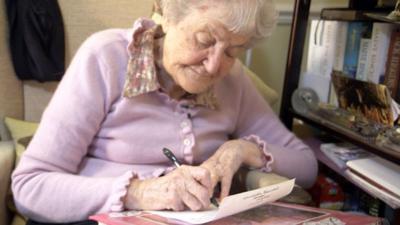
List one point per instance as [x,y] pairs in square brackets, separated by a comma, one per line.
[164,78]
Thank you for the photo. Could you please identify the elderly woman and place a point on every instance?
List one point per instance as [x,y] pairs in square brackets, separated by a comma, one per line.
[129,93]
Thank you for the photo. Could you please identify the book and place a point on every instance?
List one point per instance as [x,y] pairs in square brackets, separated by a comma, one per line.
[341,37]
[341,153]
[362,66]
[325,53]
[372,189]
[380,171]
[380,40]
[356,30]
[393,64]
[321,48]
[379,175]
[268,214]
[230,205]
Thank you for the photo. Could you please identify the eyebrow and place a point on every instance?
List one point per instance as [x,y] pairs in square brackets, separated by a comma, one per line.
[210,29]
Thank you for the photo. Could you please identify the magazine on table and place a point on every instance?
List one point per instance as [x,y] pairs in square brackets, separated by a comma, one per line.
[256,207]
[231,205]
[340,153]
[268,214]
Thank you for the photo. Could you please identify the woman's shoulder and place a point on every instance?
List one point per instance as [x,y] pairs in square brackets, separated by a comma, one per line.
[116,38]
[106,41]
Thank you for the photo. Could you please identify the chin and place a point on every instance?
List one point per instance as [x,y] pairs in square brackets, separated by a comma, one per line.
[195,88]
[199,86]
[194,83]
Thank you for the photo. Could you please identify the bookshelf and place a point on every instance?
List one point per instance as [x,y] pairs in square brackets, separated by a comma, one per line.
[346,14]
[299,27]
[315,143]
[292,78]
[381,17]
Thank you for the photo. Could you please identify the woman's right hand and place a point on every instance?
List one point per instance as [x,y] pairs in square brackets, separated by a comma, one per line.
[185,187]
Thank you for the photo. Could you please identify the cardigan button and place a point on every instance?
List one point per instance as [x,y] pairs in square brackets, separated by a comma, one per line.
[187,142]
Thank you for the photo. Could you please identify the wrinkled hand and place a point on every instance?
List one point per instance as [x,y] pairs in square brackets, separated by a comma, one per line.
[186,186]
[228,159]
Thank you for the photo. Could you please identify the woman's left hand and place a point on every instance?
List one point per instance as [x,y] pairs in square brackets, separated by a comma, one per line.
[228,159]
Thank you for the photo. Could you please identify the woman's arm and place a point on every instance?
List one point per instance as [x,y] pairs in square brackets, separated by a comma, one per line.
[228,158]
[260,140]
[256,122]
[45,184]
[186,187]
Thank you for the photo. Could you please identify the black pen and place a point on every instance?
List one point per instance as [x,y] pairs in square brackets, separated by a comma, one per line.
[176,162]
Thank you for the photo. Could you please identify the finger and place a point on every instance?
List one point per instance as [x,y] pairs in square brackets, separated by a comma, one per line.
[214,181]
[213,177]
[226,183]
[193,194]
[191,201]
[172,199]
[177,206]
[201,193]
[201,175]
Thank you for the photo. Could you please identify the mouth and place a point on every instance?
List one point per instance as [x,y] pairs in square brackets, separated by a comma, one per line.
[196,79]
[199,72]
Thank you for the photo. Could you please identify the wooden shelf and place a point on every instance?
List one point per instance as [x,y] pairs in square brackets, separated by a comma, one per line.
[389,152]
[344,14]
[315,144]
[357,15]
[300,22]
[382,17]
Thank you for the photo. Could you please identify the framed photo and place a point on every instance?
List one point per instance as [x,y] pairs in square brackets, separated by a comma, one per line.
[371,100]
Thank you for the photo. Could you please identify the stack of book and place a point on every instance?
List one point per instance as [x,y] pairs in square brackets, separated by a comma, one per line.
[374,174]
[341,153]
[365,50]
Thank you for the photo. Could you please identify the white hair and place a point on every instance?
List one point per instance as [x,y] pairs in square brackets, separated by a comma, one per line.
[255,17]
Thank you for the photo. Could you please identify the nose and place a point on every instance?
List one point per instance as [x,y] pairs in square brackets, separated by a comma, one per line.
[214,60]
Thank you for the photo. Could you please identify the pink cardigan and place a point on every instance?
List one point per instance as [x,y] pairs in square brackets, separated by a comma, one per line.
[92,141]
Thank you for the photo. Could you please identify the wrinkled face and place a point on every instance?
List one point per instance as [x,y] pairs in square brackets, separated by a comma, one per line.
[198,51]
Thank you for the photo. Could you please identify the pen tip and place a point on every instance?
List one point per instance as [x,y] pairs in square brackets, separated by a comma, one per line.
[214,201]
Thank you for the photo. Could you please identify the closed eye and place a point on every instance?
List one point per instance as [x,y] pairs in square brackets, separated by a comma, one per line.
[204,39]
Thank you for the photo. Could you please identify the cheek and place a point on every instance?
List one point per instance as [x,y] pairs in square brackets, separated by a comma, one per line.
[189,56]
[227,66]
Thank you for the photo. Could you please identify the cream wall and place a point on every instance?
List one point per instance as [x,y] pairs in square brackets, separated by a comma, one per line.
[269,58]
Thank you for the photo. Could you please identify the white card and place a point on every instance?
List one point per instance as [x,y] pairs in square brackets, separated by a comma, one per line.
[232,204]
